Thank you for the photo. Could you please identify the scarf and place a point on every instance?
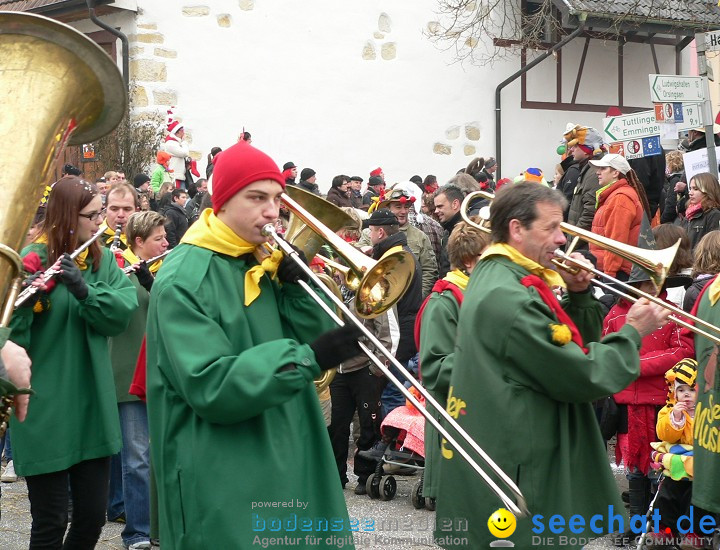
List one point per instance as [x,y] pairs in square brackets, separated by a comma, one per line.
[691,210]
[110,234]
[458,278]
[79,261]
[211,233]
[132,259]
[551,277]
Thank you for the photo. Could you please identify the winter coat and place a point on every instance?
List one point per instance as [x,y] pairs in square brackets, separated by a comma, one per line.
[694,290]
[659,352]
[176,224]
[338,198]
[159,176]
[582,206]
[527,399]
[179,151]
[356,199]
[667,432]
[650,172]
[307,186]
[568,182]
[409,304]
[618,217]
[701,224]
[228,408]
[73,415]
[673,207]
[368,197]
[192,208]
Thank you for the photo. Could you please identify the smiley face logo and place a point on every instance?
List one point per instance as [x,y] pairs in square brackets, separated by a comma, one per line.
[501,523]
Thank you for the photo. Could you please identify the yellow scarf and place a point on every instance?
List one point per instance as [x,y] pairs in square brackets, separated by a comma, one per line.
[211,233]
[79,261]
[550,276]
[714,291]
[110,234]
[132,259]
[458,278]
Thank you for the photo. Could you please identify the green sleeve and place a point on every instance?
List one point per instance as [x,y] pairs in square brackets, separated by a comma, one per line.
[437,342]
[223,382]
[156,180]
[587,314]
[20,324]
[111,300]
[565,372]
[302,314]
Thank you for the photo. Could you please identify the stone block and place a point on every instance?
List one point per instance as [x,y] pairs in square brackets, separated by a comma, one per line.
[388,51]
[472,131]
[139,97]
[469,150]
[164,52]
[224,20]
[148,26]
[195,11]
[433,27]
[247,5]
[384,23]
[196,155]
[453,132]
[368,52]
[442,149]
[378,35]
[135,51]
[471,42]
[165,97]
[147,38]
[147,70]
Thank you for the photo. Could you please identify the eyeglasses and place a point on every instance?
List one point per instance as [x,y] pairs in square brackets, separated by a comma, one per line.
[93,216]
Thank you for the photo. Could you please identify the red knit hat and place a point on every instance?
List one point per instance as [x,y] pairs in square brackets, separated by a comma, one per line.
[376,172]
[237,167]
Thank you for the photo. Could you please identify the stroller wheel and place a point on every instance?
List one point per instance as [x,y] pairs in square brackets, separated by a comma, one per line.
[388,488]
[418,501]
[372,486]
[430,504]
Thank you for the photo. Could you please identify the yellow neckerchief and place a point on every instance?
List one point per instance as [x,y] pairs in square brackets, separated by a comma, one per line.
[132,259]
[458,278]
[211,233]
[79,261]
[110,233]
[714,291]
[600,192]
[551,277]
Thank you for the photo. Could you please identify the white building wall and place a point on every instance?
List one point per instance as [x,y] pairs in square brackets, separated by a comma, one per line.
[297,76]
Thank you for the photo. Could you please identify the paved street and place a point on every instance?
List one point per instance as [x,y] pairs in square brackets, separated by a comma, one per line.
[411,532]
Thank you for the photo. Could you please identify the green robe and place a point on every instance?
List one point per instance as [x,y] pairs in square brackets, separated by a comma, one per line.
[236,441]
[526,401]
[706,440]
[73,415]
[437,347]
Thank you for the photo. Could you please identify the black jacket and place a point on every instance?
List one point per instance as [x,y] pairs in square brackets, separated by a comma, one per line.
[307,186]
[701,224]
[409,304]
[192,208]
[444,260]
[651,173]
[176,225]
[693,291]
[569,181]
[672,206]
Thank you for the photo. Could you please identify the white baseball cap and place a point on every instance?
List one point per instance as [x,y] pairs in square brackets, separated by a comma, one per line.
[614,161]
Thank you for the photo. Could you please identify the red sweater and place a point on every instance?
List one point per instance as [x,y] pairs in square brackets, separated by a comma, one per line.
[618,217]
[659,352]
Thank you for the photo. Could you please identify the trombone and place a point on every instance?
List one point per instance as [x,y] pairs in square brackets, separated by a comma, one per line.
[518,506]
[656,263]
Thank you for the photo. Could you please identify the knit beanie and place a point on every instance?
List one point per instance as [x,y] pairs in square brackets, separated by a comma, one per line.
[239,166]
[376,172]
[307,173]
[684,372]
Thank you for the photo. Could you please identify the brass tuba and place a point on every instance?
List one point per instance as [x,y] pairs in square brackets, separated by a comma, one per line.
[56,87]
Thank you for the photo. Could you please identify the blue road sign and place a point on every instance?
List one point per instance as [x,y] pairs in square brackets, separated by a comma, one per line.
[651,146]
[678,112]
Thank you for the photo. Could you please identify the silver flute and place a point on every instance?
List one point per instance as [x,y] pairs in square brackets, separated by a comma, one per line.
[131,268]
[50,273]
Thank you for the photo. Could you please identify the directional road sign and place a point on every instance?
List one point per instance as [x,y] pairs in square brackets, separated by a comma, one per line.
[669,88]
[643,124]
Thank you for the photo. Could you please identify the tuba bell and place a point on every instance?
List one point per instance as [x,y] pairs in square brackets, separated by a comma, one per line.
[57,87]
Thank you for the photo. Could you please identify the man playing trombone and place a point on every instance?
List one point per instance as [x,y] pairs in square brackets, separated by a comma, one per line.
[526,369]
[239,443]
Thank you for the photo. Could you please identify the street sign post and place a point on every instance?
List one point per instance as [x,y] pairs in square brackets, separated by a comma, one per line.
[670,88]
[643,124]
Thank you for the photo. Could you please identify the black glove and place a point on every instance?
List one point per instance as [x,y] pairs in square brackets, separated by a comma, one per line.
[72,277]
[31,301]
[145,278]
[336,346]
[289,271]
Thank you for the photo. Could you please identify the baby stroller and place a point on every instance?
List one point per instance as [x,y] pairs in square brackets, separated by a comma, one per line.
[674,461]
[403,431]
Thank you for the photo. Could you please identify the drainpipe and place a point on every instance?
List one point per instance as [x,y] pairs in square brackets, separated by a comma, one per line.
[523,70]
[123,38]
